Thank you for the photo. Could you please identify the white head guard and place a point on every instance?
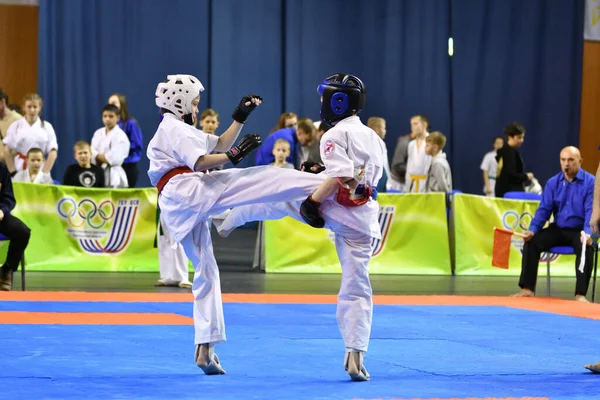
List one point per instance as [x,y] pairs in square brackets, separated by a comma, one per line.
[177,93]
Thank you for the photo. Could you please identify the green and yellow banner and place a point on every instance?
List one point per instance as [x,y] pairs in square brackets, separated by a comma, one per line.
[81,229]
[474,220]
[414,240]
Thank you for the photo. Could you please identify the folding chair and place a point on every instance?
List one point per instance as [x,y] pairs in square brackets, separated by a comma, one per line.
[568,250]
[4,238]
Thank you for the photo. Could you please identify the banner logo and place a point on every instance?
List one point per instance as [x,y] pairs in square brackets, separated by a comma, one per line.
[386,216]
[100,228]
[516,222]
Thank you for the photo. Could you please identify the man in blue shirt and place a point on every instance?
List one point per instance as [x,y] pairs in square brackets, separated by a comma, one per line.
[568,196]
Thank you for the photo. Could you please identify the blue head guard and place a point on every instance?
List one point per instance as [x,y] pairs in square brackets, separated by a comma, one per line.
[343,95]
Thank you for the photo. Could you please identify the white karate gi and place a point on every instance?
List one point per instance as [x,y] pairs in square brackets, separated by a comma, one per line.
[22,137]
[24,176]
[188,199]
[173,262]
[345,147]
[490,165]
[417,166]
[114,144]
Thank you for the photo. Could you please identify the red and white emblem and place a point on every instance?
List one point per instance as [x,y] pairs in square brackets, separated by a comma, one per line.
[329,147]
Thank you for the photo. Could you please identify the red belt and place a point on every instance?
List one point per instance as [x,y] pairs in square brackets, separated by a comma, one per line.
[24,158]
[167,177]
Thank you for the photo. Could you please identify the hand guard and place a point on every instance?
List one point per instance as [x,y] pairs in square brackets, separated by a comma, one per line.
[244,147]
[241,112]
[309,210]
[312,167]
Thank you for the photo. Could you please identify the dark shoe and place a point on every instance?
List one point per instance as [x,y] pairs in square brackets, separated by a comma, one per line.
[5,281]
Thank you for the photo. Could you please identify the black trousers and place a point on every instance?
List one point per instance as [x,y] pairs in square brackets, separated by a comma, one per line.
[18,233]
[133,172]
[545,239]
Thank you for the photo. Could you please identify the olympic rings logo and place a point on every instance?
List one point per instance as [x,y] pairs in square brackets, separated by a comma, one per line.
[77,214]
[513,220]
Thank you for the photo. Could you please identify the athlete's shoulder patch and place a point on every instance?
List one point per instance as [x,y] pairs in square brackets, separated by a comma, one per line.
[329,147]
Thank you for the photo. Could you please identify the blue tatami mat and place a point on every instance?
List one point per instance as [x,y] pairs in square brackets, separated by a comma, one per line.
[295,352]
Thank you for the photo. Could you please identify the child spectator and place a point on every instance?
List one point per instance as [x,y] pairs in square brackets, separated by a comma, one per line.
[132,129]
[83,173]
[439,177]
[281,151]
[110,147]
[33,173]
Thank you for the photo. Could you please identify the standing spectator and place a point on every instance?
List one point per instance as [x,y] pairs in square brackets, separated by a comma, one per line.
[33,173]
[13,228]
[399,161]
[439,177]
[7,117]
[129,125]
[209,121]
[418,162]
[511,176]
[110,147]
[379,126]
[28,133]
[84,173]
[314,155]
[489,166]
[286,120]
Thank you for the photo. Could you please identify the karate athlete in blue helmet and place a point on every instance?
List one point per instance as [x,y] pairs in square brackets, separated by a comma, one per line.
[345,202]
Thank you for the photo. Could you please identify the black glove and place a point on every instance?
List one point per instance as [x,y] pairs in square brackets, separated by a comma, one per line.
[312,167]
[241,112]
[309,210]
[245,146]
[12,174]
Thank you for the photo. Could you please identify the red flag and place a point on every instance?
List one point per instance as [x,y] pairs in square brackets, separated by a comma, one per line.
[501,249]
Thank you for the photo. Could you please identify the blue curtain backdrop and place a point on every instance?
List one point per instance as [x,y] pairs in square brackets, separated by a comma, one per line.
[514,60]
[521,61]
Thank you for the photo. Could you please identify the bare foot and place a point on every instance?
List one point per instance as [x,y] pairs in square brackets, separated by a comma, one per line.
[595,368]
[524,293]
[581,298]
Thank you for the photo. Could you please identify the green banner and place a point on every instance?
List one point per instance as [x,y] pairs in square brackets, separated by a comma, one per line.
[414,240]
[81,229]
[474,220]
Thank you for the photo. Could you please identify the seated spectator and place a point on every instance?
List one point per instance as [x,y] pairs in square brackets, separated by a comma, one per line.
[33,173]
[439,177]
[84,173]
[281,150]
[13,228]
[110,147]
[568,196]
[511,176]
[489,166]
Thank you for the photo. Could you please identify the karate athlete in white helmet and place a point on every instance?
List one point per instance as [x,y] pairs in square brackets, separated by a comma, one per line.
[345,202]
[178,154]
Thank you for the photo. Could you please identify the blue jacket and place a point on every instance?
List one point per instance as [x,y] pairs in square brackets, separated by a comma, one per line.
[134,134]
[264,154]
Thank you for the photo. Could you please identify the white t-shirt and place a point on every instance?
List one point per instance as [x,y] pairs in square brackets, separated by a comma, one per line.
[345,149]
[22,137]
[41,177]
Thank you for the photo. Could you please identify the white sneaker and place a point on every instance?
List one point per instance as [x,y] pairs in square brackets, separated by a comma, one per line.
[353,363]
[213,367]
[166,282]
[185,284]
